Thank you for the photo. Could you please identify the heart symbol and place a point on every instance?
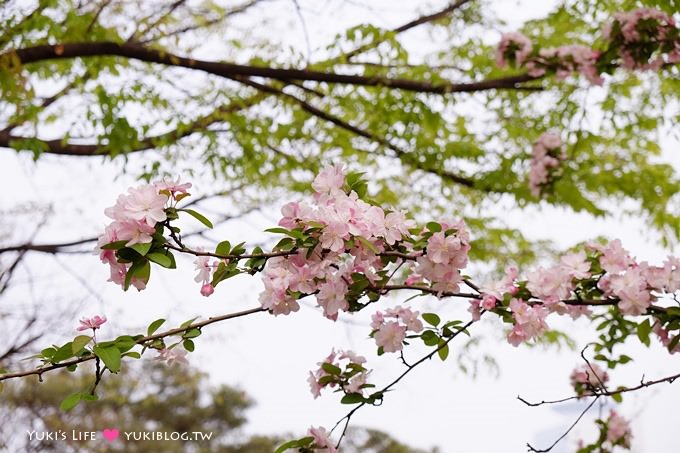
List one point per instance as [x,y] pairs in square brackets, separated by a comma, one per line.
[111,434]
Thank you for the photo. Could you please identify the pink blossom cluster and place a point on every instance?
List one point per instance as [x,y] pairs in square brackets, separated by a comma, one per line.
[172,356]
[390,327]
[643,36]
[514,47]
[445,255]
[643,39]
[351,233]
[547,154]
[588,377]
[135,216]
[322,441]
[567,60]
[634,283]
[618,430]
[606,268]
[351,379]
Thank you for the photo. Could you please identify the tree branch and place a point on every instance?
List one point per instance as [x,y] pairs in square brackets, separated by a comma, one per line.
[198,325]
[229,70]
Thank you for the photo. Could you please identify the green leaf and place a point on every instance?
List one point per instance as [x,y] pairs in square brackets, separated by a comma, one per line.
[114,245]
[188,345]
[140,269]
[443,352]
[429,338]
[63,353]
[223,248]
[47,353]
[431,318]
[617,397]
[79,343]
[643,331]
[70,402]
[277,230]
[153,327]
[297,443]
[352,398]
[192,333]
[142,249]
[133,354]
[188,322]
[368,244]
[200,217]
[110,356]
[434,227]
[162,259]
[331,369]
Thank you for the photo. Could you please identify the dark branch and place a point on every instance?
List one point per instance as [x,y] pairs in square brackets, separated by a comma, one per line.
[230,70]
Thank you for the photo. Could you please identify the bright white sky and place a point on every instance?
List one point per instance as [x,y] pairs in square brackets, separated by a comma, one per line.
[437,405]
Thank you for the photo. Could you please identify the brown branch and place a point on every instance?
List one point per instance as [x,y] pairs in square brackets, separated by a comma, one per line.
[409,368]
[198,325]
[401,153]
[602,392]
[230,70]
[61,147]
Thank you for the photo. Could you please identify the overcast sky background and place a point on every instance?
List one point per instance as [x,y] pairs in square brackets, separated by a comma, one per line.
[437,405]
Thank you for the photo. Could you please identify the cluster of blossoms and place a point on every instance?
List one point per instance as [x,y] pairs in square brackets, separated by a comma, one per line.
[135,216]
[350,237]
[514,47]
[643,39]
[587,378]
[618,430]
[351,379]
[614,432]
[605,272]
[446,254]
[390,327]
[547,154]
[172,356]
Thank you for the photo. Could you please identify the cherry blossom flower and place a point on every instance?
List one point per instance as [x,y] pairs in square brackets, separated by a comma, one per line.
[172,186]
[588,377]
[329,179]
[91,323]
[322,441]
[390,336]
[172,356]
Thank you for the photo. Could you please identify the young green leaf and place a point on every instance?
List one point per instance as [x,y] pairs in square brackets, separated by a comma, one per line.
[200,217]
[153,327]
[110,356]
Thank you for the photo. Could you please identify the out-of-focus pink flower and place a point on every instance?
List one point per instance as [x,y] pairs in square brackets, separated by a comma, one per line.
[330,179]
[172,356]
[618,430]
[322,440]
[588,377]
[91,323]
[514,46]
